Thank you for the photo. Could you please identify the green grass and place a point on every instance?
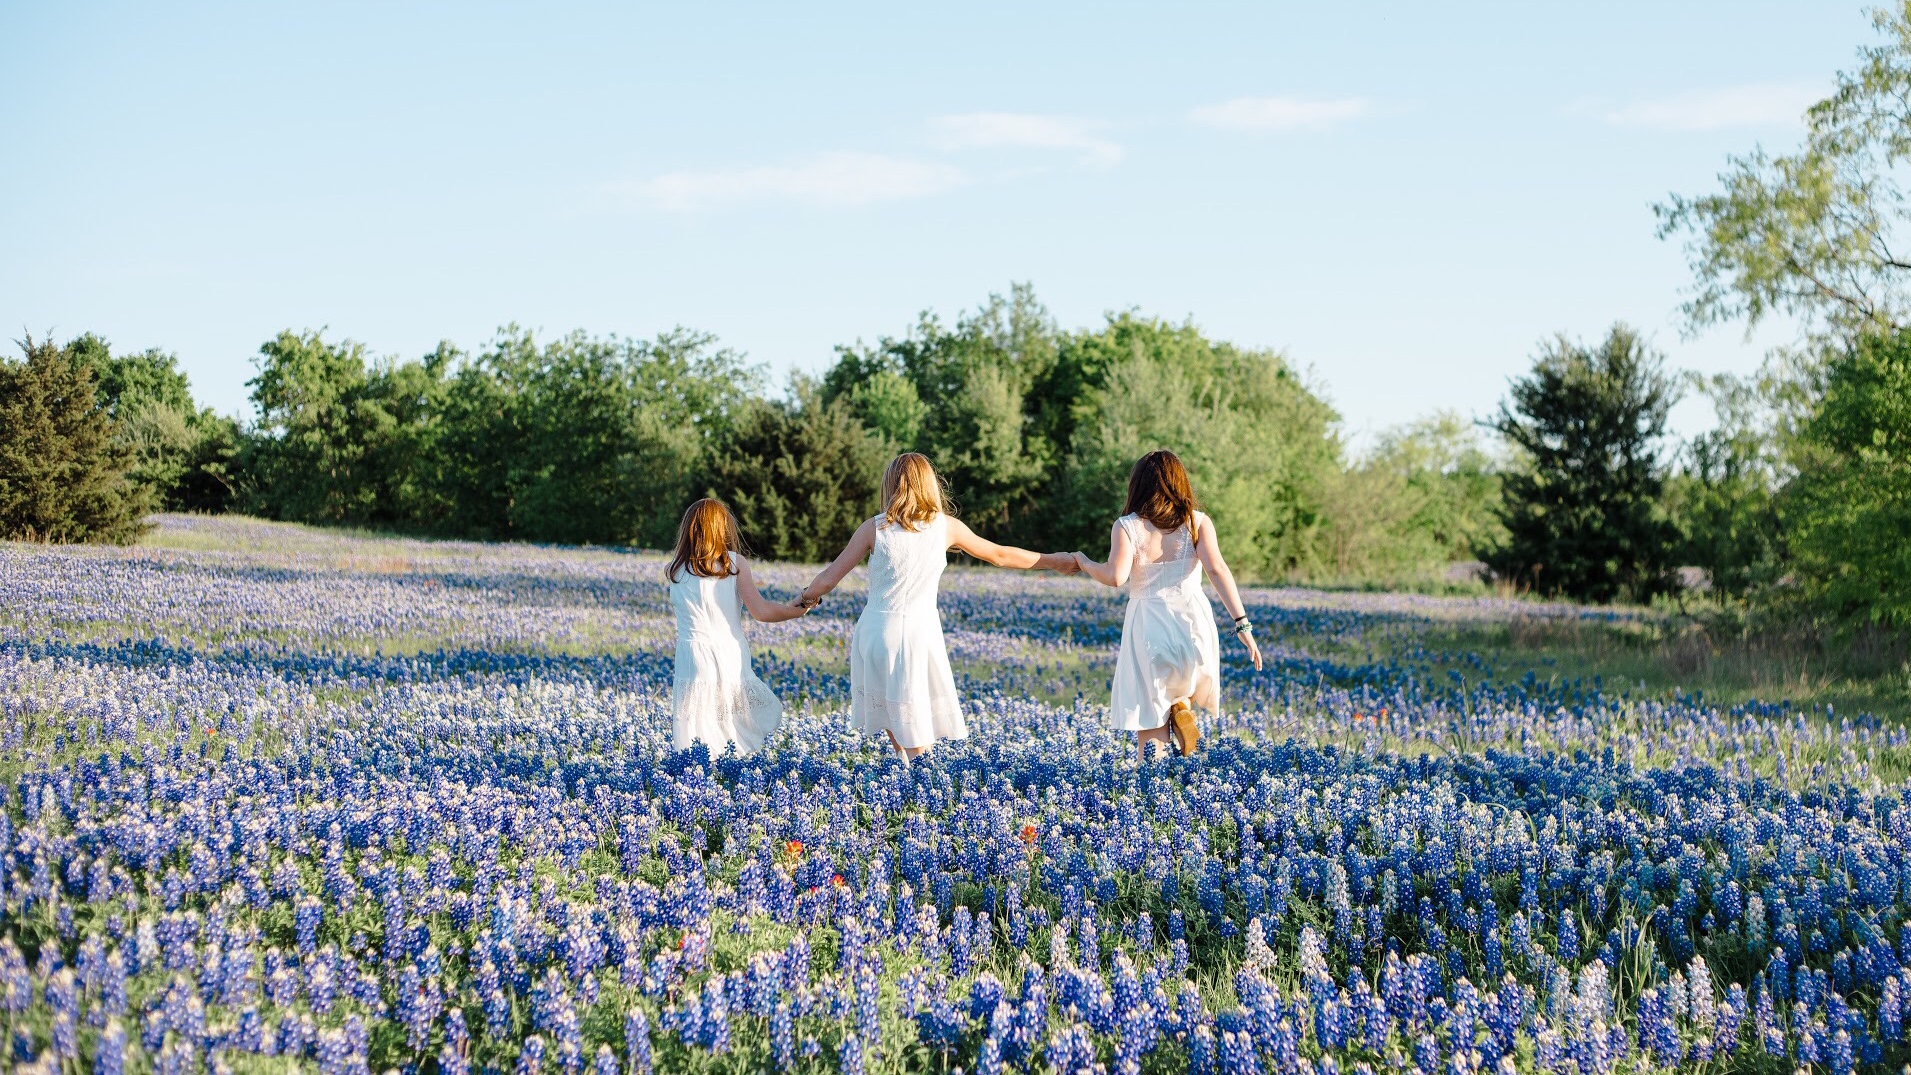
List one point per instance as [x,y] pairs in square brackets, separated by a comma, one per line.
[1657,655]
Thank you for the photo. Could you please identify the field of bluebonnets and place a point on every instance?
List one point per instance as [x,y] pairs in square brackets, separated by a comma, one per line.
[281,799]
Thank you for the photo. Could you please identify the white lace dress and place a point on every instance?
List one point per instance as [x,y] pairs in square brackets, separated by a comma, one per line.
[1170,650]
[715,696]
[899,676]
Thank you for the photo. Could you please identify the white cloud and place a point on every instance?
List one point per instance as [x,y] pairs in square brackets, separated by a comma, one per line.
[1279,113]
[831,180]
[989,130]
[1761,105]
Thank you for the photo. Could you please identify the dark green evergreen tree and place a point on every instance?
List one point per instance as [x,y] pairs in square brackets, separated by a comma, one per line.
[801,475]
[1583,514]
[62,467]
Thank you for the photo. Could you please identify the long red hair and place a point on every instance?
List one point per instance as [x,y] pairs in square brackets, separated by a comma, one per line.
[705,539]
[1159,491]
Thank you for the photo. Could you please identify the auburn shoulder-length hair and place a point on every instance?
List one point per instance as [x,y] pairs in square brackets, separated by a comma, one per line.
[1159,491]
[705,539]
[912,491]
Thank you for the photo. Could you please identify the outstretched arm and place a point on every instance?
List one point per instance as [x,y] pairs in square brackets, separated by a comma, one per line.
[863,540]
[1121,560]
[761,609]
[1207,546]
[961,537]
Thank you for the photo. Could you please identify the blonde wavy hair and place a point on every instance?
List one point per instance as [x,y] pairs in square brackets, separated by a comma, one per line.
[912,491]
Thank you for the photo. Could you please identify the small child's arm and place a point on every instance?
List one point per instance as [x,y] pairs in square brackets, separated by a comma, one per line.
[860,544]
[760,608]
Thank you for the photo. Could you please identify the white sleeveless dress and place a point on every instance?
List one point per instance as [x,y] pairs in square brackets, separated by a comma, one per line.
[899,676]
[1170,650]
[715,696]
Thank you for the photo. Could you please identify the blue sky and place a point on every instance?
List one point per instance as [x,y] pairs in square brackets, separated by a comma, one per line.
[1403,197]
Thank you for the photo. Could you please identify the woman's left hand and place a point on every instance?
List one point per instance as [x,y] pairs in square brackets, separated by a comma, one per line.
[1253,650]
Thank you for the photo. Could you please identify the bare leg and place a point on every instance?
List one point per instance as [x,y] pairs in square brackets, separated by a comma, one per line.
[1148,740]
[905,753]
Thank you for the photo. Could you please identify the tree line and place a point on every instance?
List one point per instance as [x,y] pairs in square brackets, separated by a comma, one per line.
[602,440]
[583,439]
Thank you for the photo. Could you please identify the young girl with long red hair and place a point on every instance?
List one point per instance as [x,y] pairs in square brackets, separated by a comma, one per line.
[715,696]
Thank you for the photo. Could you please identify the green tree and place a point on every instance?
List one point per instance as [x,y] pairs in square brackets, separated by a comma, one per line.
[62,465]
[1257,442]
[1583,515]
[801,475]
[1817,233]
[971,405]
[337,439]
[581,439]
[1367,528]
[183,453]
[1848,510]
[1723,497]
[1427,494]
[1453,479]
[887,405]
[482,428]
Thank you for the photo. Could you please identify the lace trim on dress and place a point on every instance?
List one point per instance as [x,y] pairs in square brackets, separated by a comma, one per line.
[745,711]
[878,712]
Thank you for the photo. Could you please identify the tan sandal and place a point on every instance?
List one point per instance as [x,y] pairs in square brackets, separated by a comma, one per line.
[1183,729]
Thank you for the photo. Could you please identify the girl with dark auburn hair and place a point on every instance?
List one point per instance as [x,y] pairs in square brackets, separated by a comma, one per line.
[715,696]
[1170,657]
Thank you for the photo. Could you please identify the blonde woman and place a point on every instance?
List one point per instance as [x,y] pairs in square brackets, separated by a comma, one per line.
[900,684]
[1170,657]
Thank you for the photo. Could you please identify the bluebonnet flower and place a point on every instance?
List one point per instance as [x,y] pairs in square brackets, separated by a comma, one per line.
[516,767]
[637,1042]
[849,1056]
[1201,1052]
[454,1055]
[109,1057]
[783,1037]
[531,1056]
